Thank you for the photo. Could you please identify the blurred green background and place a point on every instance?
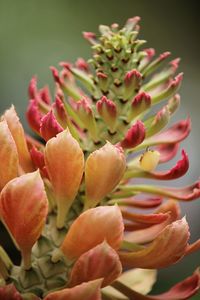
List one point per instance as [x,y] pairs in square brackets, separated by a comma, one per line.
[36,34]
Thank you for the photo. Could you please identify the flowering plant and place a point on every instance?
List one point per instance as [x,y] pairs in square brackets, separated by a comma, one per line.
[69,199]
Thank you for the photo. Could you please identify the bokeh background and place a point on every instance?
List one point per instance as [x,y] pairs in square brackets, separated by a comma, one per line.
[35,34]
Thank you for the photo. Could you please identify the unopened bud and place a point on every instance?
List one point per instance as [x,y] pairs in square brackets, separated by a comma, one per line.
[172,88]
[90,37]
[103,81]
[140,103]
[160,120]
[85,113]
[134,136]
[132,83]
[49,126]
[108,111]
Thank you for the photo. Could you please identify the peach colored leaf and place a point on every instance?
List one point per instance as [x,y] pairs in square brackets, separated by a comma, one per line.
[8,155]
[93,227]
[167,248]
[65,162]
[101,261]
[18,135]
[104,169]
[87,290]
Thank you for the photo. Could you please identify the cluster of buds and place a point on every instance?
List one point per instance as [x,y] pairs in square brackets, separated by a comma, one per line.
[70,195]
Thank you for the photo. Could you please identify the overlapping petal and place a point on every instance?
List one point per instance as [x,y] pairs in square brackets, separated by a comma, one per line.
[101,261]
[148,234]
[8,155]
[103,171]
[87,290]
[64,161]
[18,135]
[168,247]
[173,135]
[93,227]
[23,209]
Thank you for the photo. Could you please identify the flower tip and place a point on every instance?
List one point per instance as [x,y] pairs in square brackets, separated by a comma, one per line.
[175,63]
[32,89]
[49,126]
[164,55]
[134,136]
[150,52]
[55,74]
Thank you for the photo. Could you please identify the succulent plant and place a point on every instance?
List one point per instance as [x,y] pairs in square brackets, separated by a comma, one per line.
[70,195]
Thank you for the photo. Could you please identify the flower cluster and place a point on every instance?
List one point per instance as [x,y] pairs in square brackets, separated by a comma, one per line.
[76,199]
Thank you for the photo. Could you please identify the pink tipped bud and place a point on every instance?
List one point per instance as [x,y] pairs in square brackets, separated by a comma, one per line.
[85,113]
[82,65]
[134,136]
[103,81]
[176,82]
[133,77]
[49,126]
[175,64]
[132,82]
[164,55]
[60,109]
[150,52]
[34,115]
[83,106]
[90,37]
[56,76]
[172,88]
[108,111]
[149,68]
[140,103]
[132,23]
[45,95]
[32,89]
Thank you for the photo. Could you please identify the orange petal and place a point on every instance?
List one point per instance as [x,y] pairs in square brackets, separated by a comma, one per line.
[146,235]
[18,135]
[167,248]
[8,155]
[65,162]
[93,227]
[88,290]
[23,209]
[101,261]
[103,171]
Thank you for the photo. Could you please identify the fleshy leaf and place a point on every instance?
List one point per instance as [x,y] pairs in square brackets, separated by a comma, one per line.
[87,290]
[18,135]
[178,132]
[23,209]
[104,169]
[8,155]
[101,261]
[64,160]
[147,235]
[93,227]
[168,247]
